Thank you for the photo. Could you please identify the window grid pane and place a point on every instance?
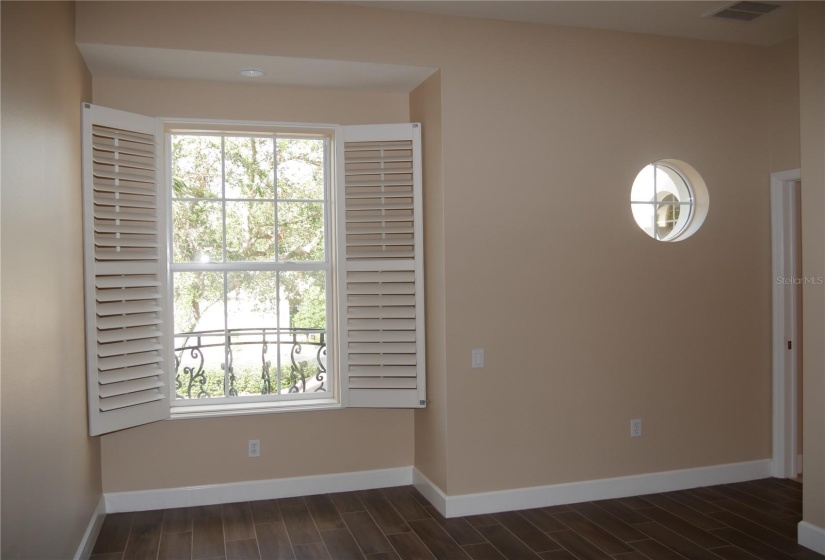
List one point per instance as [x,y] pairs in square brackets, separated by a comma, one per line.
[266,330]
[661,201]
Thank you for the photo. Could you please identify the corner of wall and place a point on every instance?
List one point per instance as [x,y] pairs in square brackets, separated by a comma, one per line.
[431,422]
[57,482]
[812,111]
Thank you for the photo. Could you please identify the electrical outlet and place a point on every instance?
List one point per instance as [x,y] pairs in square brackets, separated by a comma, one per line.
[478,357]
[636,427]
[254,448]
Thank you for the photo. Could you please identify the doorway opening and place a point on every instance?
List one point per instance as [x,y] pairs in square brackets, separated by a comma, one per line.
[787,280]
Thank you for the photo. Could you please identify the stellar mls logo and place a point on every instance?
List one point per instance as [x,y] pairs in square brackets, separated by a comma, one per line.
[796,281]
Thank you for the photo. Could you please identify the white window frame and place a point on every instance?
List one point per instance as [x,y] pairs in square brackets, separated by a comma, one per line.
[256,404]
[694,200]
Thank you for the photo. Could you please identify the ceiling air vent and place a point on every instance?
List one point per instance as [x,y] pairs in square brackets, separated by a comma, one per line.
[744,11]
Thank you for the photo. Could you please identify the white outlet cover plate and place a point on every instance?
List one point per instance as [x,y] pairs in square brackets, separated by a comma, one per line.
[478,357]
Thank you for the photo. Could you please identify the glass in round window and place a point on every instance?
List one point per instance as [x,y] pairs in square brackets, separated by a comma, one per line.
[662,201]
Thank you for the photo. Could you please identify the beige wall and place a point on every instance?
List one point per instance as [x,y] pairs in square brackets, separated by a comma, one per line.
[586,322]
[241,102]
[195,452]
[431,422]
[783,87]
[812,104]
[181,453]
[51,477]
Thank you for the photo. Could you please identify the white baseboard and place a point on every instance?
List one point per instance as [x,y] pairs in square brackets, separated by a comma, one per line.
[449,506]
[619,487]
[163,498]
[87,543]
[811,536]
[429,490]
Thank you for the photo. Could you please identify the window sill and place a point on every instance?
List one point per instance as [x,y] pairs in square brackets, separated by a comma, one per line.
[184,412]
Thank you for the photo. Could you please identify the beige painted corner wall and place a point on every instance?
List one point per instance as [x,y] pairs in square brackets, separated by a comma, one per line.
[586,322]
[812,104]
[431,422]
[51,477]
[213,451]
[783,88]
[182,453]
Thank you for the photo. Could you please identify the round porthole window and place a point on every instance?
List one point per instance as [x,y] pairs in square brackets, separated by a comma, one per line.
[669,200]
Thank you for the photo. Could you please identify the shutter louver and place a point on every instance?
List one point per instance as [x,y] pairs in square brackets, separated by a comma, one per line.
[125,264]
[381,266]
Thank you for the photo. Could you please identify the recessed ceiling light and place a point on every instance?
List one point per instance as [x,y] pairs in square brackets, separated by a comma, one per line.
[252,73]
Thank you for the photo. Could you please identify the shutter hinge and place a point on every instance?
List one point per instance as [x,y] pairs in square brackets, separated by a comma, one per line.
[423,402]
[789,345]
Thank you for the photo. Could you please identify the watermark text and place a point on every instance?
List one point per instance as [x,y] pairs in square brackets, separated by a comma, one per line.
[798,280]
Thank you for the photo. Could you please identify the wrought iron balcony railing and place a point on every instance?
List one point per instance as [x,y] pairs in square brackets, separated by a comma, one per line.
[237,362]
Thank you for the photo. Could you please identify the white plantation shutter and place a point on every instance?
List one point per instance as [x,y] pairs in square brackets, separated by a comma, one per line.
[125,270]
[380,266]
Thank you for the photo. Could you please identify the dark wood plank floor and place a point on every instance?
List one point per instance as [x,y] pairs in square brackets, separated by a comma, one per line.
[742,521]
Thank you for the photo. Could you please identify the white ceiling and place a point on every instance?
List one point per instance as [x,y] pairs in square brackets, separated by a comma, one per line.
[171,64]
[680,18]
